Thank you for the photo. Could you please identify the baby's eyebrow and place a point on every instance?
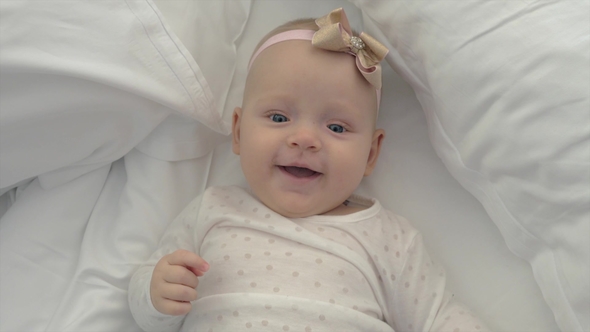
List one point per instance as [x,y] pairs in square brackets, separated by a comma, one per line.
[344,108]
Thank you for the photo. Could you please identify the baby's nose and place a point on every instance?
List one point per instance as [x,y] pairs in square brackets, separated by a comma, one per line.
[305,139]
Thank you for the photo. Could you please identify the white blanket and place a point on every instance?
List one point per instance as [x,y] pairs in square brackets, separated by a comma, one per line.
[112,120]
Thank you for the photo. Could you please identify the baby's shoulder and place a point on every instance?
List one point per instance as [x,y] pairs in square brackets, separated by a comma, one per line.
[390,226]
[224,199]
[394,219]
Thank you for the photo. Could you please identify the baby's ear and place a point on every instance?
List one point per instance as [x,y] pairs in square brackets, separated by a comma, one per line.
[378,137]
[235,129]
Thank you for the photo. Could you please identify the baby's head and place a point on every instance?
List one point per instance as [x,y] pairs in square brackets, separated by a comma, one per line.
[306,130]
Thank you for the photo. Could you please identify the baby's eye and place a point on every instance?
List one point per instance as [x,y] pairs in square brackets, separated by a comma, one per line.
[278,118]
[336,128]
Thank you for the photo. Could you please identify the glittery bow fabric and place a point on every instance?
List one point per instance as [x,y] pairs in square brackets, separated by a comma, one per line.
[335,34]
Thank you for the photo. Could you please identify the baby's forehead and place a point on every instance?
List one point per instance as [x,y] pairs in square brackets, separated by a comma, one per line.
[298,59]
[300,55]
[285,67]
[352,107]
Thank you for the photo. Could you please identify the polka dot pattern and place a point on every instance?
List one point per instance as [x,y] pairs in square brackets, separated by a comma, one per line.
[336,264]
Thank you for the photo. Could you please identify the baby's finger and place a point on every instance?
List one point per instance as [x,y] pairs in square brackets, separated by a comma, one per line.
[174,308]
[176,292]
[188,259]
[195,271]
[177,274]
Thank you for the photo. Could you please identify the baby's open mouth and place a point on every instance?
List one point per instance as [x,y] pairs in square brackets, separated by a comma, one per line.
[299,172]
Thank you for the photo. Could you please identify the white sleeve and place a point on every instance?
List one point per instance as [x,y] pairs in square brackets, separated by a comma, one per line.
[421,302]
[179,234]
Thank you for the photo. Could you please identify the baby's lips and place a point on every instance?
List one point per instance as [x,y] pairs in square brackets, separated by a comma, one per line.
[300,172]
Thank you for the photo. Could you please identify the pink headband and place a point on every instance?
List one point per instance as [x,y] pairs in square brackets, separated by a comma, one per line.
[335,35]
[283,36]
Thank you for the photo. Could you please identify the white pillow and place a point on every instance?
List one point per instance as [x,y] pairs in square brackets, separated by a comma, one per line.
[84,82]
[505,88]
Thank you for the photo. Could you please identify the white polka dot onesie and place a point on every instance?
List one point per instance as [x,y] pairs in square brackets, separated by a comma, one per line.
[366,271]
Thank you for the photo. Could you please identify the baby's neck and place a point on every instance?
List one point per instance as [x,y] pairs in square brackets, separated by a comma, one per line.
[345,208]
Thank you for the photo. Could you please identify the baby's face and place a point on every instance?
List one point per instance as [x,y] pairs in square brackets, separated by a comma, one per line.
[306,133]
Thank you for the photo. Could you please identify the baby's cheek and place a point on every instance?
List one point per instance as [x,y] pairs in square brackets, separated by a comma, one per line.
[352,169]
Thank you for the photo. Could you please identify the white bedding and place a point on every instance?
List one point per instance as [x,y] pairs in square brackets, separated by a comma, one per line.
[74,226]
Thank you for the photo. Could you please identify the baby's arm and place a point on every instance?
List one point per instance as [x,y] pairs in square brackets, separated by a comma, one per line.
[421,302]
[159,289]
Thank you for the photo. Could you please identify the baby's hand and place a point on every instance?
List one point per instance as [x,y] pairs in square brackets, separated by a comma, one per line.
[174,281]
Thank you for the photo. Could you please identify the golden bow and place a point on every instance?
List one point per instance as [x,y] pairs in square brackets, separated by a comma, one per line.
[335,35]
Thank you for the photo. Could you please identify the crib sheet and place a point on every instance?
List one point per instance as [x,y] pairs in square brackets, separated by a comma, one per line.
[67,253]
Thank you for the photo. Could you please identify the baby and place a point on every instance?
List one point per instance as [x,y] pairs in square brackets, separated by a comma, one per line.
[297,250]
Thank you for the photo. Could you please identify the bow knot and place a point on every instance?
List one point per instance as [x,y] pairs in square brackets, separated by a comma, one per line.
[335,34]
